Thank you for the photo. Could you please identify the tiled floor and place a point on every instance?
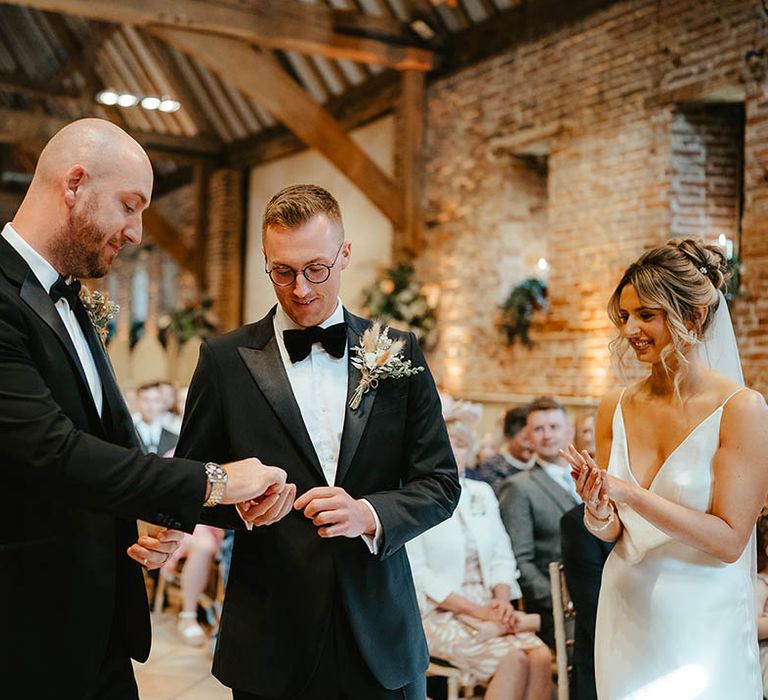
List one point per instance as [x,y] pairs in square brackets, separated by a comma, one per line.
[175,671]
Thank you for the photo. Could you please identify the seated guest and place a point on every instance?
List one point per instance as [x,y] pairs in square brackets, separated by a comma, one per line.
[515,455]
[762,594]
[465,576]
[532,504]
[583,557]
[154,437]
[199,548]
[584,432]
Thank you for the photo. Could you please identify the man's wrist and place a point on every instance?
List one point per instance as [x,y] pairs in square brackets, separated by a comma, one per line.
[217,481]
[370,521]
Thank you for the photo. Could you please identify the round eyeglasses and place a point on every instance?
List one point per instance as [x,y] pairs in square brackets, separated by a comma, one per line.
[315,273]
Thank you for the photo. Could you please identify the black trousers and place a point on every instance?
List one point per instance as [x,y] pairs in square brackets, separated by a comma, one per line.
[115,680]
[343,674]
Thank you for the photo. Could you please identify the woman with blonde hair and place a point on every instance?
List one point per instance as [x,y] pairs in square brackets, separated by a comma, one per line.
[678,481]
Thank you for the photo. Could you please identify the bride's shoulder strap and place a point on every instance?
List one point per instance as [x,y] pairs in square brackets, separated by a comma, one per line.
[732,394]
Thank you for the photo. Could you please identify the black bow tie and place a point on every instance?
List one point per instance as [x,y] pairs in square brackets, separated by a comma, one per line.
[62,290]
[298,343]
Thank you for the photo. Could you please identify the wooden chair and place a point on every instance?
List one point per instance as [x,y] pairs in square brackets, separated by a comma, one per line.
[442,669]
[457,687]
[169,590]
[564,615]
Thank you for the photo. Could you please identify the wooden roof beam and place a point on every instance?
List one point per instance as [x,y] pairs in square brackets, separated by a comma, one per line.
[249,71]
[356,107]
[18,82]
[169,238]
[287,25]
[18,125]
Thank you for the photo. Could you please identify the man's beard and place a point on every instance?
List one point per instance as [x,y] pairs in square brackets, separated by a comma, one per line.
[78,247]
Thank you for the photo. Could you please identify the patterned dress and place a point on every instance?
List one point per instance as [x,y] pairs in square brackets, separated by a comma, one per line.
[454,641]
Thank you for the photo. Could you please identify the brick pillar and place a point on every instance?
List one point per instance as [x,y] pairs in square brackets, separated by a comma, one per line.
[224,247]
[751,308]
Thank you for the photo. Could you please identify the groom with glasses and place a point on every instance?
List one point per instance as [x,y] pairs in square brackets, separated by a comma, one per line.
[320,604]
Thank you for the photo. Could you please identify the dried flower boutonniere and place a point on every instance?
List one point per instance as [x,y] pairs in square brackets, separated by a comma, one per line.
[100,309]
[377,357]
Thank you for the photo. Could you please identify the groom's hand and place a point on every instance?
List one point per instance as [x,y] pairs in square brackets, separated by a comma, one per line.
[249,478]
[274,505]
[336,513]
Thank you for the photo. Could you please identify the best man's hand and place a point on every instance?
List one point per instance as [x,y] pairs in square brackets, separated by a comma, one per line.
[269,508]
[249,478]
[336,513]
[152,551]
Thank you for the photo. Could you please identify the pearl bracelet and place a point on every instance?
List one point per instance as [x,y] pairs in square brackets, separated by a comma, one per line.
[605,522]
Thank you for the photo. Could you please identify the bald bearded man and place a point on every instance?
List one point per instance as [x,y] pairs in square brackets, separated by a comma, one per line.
[74,479]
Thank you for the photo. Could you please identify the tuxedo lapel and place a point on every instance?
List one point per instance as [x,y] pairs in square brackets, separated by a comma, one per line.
[118,411]
[266,367]
[33,294]
[354,421]
[552,489]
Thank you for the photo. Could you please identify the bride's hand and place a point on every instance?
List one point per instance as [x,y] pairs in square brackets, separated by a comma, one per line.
[591,482]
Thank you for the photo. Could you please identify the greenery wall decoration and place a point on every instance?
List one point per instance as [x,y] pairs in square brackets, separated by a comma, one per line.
[518,308]
[196,319]
[397,297]
[734,283]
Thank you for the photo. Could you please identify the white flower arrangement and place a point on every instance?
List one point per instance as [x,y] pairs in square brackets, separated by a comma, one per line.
[378,358]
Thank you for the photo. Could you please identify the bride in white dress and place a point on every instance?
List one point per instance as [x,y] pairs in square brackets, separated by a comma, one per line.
[686,451]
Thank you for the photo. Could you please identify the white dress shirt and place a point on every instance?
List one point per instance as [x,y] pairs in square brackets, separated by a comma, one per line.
[561,475]
[150,434]
[47,276]
[319,383]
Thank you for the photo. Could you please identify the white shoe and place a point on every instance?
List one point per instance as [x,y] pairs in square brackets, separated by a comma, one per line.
[191,633]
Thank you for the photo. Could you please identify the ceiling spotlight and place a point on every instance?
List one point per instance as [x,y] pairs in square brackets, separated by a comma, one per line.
[107,97]
[126,99]
[424,31]
[169,105]
[542,264]
[151,102]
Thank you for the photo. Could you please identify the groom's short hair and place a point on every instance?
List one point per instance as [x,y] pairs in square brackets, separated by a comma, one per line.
[294,205]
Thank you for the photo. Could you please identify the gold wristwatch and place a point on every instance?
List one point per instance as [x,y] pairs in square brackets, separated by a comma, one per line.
[217,478]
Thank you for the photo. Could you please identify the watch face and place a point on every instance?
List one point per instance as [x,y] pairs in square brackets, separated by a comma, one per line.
[214,471]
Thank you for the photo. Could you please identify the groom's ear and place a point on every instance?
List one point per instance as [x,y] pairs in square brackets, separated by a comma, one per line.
[346,252]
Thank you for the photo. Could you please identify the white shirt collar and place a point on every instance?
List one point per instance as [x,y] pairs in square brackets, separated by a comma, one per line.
[515,462]
[551,465]
[283,322]
[41,268]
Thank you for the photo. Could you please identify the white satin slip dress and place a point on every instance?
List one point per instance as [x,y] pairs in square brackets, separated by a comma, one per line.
[674,623]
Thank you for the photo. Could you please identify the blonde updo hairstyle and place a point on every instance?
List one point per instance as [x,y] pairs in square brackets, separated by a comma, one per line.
[680,278]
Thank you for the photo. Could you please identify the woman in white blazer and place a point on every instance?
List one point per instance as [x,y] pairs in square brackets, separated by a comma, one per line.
[465,575]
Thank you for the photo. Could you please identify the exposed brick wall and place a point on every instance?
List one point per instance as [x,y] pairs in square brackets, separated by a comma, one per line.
[224,246]
[706,162]
[752,306]
[606,91]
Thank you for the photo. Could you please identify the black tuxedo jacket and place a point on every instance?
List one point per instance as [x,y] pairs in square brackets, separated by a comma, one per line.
[285,579]
[71,494]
